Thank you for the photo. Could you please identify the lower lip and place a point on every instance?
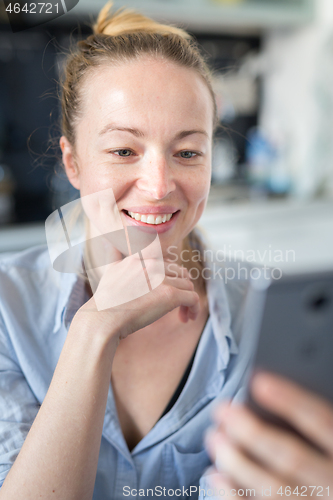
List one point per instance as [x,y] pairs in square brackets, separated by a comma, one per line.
[158,228]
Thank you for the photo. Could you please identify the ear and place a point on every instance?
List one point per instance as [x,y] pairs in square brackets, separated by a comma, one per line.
[69,162]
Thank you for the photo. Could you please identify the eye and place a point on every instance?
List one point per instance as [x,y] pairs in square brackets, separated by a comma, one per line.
[123,153]
[188,154]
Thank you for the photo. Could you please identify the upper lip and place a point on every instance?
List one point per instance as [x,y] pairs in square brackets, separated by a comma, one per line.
[167,209]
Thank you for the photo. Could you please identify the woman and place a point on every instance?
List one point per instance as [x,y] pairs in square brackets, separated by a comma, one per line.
[138,120]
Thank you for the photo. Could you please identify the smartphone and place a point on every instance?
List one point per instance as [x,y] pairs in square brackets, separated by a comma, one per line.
[290,333]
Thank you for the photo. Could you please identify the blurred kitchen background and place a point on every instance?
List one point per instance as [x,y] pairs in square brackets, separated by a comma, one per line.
[272,184]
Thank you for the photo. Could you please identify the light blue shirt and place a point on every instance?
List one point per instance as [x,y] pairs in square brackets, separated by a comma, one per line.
[37,305]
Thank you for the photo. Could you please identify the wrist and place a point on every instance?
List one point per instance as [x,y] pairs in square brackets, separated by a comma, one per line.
[98,327]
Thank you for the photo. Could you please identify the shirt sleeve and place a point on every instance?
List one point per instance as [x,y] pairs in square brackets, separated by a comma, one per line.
[18,405]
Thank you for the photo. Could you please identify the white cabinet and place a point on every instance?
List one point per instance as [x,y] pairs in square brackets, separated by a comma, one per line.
[216,15]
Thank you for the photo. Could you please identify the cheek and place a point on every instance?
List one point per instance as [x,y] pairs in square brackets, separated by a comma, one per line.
[101,209]
[95,177]
[197,188]
[199,210]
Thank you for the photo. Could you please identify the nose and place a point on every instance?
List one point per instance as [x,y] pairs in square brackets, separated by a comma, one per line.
[157,178]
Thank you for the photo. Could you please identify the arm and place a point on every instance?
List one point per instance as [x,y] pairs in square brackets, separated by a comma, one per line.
[60,454]
[250,453]
[59,457]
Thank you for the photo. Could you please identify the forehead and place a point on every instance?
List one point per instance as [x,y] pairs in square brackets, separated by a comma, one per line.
[147,93]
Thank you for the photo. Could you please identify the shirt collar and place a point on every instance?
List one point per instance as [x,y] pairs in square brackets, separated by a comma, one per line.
[220,314]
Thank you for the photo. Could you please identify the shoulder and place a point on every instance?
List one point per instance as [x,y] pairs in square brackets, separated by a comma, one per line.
[29,287]
[26,269]
[34,258]
[33,297]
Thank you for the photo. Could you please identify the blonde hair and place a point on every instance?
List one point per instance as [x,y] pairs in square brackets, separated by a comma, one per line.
[123,36]
[126,21]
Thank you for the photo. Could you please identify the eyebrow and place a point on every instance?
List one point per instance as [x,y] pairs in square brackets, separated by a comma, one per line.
[139,133]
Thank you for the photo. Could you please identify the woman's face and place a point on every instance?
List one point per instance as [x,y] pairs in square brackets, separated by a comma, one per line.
[146,132]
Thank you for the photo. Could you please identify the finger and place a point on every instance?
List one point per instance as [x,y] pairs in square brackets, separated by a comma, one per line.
[280,451]
[192,315]
[173,270]
[307,412]
[186,298]
[183,314]
[241,468]
[162,300]
[180,283]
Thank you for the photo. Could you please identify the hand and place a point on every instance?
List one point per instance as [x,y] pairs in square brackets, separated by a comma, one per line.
[252,454]
[176,290]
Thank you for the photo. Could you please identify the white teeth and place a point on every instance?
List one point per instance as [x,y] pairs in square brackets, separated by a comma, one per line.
[151,219]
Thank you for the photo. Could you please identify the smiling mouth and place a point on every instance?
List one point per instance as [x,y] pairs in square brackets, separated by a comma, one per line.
[153,219]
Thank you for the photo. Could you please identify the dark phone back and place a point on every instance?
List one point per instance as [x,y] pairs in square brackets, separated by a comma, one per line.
[295,333]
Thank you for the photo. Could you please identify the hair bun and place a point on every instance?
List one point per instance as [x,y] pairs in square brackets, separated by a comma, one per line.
[125,21]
